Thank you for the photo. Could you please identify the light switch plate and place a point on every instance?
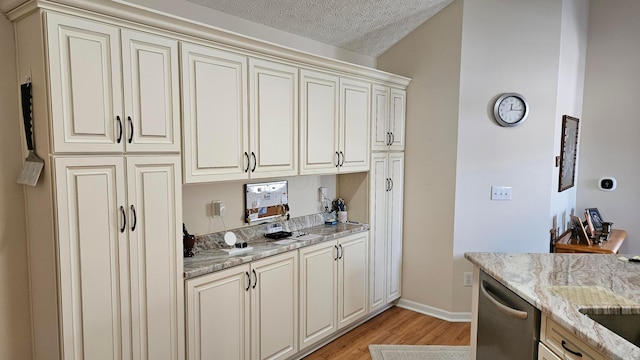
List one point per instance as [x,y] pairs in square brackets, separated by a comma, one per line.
[501,193]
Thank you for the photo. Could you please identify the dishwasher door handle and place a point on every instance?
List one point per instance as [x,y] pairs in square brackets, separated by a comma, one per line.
[509,311]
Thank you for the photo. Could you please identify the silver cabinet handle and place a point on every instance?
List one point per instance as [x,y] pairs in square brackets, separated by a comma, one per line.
[391,183]
[337,252]
[341,154]
[337,159]
[393,139]
[522,315]
[341,251]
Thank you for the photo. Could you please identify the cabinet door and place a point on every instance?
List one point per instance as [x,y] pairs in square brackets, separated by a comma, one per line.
[274,307]
[274,119]
[318,123]
[355,116]
[151,92]
[218,315]
[155,213]
[394,221]
[380,135]
[318,297]
[352,278]
[378,229]
[397,119]
[86,86]
[92,248]
[216,123]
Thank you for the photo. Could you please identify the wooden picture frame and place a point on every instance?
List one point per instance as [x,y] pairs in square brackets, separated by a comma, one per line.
[568,152]
[577,224]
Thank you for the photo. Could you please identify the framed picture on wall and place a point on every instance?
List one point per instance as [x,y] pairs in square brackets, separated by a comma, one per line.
[568,153]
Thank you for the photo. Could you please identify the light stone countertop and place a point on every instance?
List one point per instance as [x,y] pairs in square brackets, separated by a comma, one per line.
[208,261]
[534,276]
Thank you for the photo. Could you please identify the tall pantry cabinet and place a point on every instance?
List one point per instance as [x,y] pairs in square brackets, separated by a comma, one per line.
[105,216]
[386,195]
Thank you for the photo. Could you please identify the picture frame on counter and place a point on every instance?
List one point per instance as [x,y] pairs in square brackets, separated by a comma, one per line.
[595,218]
[579,229]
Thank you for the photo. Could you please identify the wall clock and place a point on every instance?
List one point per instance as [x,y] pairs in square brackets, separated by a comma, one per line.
[510,109]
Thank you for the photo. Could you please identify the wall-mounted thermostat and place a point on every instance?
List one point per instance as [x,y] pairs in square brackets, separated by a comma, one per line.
[607,183]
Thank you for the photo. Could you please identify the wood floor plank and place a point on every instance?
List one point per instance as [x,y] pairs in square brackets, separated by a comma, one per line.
[394,326]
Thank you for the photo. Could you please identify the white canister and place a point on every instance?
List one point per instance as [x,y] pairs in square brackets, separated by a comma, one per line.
[342,216]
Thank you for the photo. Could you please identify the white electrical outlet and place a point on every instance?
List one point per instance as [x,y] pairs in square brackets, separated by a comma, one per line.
[323,193]
[218,208]
[500,192]
[468,279]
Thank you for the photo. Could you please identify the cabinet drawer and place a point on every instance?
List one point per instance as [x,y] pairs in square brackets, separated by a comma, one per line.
[563,343]
[545,354]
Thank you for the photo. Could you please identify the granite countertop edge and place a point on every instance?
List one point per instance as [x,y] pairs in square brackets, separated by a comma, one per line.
[531,275]
[213,260]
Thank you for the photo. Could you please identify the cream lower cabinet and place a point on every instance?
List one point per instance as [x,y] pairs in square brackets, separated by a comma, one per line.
[245,312]
[120,292]
[333,286]
[387,178]
[556,342]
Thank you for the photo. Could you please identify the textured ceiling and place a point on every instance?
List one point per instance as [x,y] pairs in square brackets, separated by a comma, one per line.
[368,27]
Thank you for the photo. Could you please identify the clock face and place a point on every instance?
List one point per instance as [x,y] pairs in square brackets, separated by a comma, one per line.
[510,109]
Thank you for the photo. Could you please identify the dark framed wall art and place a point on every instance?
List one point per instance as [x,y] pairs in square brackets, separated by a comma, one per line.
[568,152]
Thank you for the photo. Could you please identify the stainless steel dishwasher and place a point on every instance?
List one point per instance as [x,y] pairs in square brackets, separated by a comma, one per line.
[508,326]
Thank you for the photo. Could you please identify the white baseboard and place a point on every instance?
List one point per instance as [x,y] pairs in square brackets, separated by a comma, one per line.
[435,312]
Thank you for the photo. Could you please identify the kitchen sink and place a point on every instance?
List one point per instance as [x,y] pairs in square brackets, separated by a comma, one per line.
[625,325]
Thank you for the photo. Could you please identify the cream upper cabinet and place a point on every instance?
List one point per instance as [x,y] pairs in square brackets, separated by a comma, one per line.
[333,286]
[273,116]
[94,66]
[388,118]
[120,294]
[355,117]
[319,149]
[334,130]
[387,176]
[215,114]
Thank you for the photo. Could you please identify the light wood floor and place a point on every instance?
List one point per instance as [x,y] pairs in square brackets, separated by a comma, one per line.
[394,326]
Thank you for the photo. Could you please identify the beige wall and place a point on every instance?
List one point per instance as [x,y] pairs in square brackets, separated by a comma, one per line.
[431,56]
[609,143]
[15,321]
[304,199]
[460,60]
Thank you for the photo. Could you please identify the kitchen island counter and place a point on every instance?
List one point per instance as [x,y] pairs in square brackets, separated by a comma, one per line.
[537,278]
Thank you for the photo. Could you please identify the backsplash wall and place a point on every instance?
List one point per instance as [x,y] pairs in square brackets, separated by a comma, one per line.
[197,198]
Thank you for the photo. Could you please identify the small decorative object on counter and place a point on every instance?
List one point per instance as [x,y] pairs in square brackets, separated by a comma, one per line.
[188,241]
